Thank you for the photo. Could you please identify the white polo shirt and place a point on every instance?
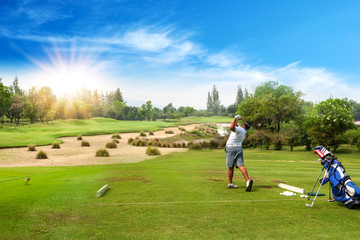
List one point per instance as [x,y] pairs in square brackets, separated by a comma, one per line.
[236,138]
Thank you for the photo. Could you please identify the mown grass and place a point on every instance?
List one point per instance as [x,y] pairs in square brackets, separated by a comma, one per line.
[45,134]
[176,196]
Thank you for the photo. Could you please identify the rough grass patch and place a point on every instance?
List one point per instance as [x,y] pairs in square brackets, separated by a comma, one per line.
[116,136]
[32,147]
[151,133]
[55,145]
[169,132]
[85,144]
[111,145]
[142,134]
[41,155]
[79,137]
[102,153]
[152,151]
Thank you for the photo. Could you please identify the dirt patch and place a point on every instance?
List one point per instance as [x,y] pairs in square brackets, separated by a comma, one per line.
[125,179]
[216,180]
[277,181]
[71,153]
[265,187]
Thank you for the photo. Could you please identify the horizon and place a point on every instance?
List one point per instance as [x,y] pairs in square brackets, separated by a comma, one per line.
[174,52]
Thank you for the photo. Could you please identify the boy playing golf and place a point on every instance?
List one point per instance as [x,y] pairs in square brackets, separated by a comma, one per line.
[234,152]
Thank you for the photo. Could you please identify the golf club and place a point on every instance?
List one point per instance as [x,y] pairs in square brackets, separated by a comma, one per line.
[315,183]
[310,205]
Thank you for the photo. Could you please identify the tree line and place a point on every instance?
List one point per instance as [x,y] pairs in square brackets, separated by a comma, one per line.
[43,105]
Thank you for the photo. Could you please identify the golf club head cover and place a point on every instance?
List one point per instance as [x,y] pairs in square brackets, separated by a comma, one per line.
[322,152]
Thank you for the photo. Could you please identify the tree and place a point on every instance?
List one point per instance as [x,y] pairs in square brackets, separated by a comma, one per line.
[213,102]
[147,110]
[328,121]
[271,105]
[16,108]
[188,111]
[5,98]
[118,108]
[355,109]
[169,111]
[239,96]
[31,105]
[46,101]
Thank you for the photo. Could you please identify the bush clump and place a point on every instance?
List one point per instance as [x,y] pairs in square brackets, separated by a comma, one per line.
[152,151]
[116,136]
[111,145]
[142,134]
[41,155]
[195,146]
[55,145]
[32,147]
[115,140]
[182,129]
[102,153]
[79,137]
[169,132]
[85,144]
[151,133]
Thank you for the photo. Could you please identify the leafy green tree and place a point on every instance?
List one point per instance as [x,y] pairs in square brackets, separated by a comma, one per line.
[46,101]
[328,121]
[118,108]
[16,108]
[188,111]
[31,105]
[355,109]
[271,105]
[213,102]
[147,109]
[169,111]
[239,96]
[5,98]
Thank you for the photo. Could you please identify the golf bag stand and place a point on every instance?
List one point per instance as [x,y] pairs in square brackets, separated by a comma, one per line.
[343,189]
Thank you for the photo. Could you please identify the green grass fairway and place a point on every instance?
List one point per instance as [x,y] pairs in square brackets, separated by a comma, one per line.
[177,196]
[45,134]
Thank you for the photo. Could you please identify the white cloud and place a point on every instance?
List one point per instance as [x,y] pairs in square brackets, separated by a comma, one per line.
[223,59]
[143,39]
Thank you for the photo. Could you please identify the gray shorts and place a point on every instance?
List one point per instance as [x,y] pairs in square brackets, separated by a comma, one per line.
[234,156]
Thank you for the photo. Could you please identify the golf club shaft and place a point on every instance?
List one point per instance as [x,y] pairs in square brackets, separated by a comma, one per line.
[315,183]
[318,190]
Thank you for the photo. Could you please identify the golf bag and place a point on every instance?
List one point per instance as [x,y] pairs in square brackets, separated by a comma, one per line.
[343,189]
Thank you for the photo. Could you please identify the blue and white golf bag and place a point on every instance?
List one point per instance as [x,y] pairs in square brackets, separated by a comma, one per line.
[343,189]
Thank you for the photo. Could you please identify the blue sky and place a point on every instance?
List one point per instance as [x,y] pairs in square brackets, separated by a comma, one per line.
[175,51]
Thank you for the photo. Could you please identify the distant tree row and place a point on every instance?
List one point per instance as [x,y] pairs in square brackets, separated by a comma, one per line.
[42,104]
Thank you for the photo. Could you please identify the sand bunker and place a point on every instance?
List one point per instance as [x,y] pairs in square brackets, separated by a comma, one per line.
[71,153]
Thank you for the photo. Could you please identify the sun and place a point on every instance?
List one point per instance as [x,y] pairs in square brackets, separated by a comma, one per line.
[68,73]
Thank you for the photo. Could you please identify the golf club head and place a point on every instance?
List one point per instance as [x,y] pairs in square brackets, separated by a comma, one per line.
[308,205]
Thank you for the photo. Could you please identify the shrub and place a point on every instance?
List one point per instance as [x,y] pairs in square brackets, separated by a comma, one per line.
[85,144]
[111,145]
[195,146]
[151,133]
[169,132]
[55,145]
[278,145]
[41,155]
[142,134]
[32,147]
[152,151]
[182,129]
[102,153]
[115,140]
[130,140]
[79,137]
[213,144]
[116,136]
